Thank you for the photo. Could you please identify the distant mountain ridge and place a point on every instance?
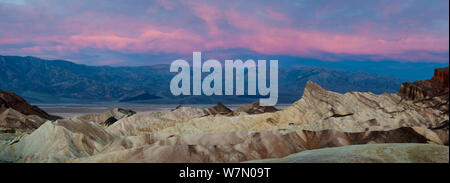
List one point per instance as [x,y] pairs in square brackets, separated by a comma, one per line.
[40,80]
[408,71]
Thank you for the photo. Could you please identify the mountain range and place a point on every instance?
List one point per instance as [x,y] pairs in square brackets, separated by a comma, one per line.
[39,80]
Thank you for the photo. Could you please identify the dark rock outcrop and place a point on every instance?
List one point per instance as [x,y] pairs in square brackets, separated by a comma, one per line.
[219,109]
[12,100]
[17,115]
[255,108]
[107,118]
[437,86]
[441,76]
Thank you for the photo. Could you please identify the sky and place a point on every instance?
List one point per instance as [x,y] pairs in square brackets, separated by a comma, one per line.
[143,32]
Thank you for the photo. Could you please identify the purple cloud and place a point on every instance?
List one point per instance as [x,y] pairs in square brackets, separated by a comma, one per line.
[400,30]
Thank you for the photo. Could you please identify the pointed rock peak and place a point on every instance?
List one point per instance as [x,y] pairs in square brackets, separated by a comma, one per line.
[220,104]
[256,104]
[177,107]
[221,108]
[311,86]
[314,91]
[11,111]
[127,112]
[218,109]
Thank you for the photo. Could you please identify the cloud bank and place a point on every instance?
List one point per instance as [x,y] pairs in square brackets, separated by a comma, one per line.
[94,32]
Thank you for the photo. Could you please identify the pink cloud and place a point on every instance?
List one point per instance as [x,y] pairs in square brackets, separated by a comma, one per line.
[210,14]
[277,16]
[11,40]
[222,27]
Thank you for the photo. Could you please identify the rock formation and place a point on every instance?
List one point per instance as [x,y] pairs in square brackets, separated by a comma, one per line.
[437,86]
[17,115]
[219,109]
[107,118]
[255,108]
[319,109]
[11,100]
[12,121]
[441,75]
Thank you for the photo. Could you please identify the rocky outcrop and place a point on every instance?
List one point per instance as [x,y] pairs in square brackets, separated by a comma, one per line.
[370,153]
[11,100]
[12,121]
[441,76]
[437,86]
[107,118]
[254,108]
[17,115]
[320,109]
[218,109]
